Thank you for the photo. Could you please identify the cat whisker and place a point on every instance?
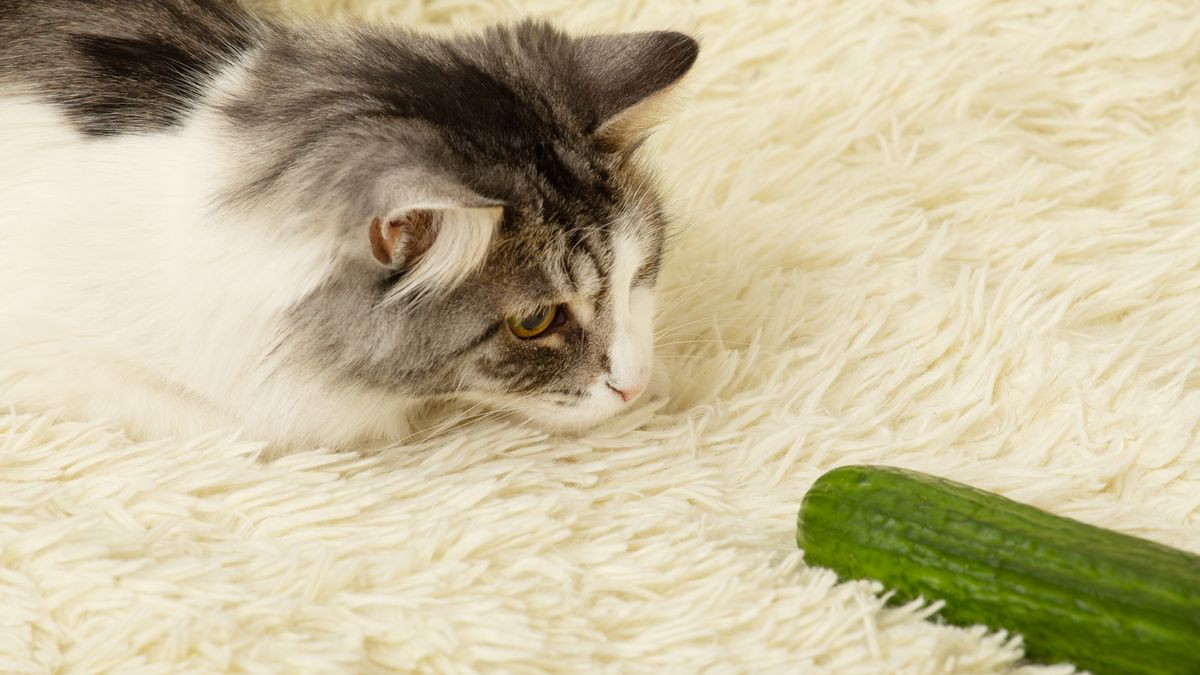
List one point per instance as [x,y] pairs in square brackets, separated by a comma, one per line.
[692,290]
[456,418]
[679,325]
[713,341]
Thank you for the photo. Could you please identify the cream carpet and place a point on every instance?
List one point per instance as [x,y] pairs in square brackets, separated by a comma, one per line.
[957,236]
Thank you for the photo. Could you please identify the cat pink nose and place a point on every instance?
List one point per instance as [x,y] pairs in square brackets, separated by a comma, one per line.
[628,393]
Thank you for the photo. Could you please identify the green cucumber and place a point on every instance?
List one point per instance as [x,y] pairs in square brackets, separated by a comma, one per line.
[1105,601]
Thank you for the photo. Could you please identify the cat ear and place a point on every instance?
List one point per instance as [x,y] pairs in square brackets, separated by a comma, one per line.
[434,234]
[630,79]
[402,240]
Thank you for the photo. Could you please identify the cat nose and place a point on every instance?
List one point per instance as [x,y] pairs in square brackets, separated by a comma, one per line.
[627,393]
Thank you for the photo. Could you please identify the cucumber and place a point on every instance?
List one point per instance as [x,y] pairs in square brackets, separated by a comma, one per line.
[1107,602]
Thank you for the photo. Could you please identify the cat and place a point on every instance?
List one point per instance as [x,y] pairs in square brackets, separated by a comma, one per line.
[213,219]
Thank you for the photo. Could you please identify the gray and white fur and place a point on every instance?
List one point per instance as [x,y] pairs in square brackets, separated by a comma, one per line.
[213,219]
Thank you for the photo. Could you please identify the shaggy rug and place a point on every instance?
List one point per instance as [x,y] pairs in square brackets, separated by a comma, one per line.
[952,235]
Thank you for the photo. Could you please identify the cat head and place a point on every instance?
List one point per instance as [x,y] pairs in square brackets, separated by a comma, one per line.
[497,240]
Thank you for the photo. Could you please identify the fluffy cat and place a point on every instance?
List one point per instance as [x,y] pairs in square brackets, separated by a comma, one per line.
[210,219]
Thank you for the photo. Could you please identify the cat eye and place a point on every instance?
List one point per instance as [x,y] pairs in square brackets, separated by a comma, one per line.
[535,323]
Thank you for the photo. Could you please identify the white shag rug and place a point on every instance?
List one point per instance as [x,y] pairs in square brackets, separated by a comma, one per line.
[953,235]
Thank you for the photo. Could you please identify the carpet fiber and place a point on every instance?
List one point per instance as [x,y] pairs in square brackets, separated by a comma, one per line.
[956,236]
